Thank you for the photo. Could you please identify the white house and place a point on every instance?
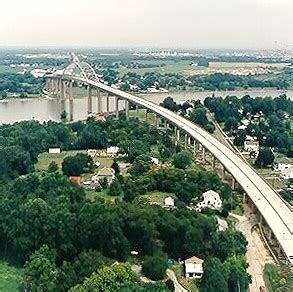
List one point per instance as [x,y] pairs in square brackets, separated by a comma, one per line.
[54,150]
[112,151]
[169,202]
[211,199]
[155,161]
[287,173]
[282,164]
[105,172]
[193,267]
[251,146]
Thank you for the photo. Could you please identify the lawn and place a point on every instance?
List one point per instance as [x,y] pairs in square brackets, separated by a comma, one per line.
[10,277]
[157,197]
[278,278]
[44,159]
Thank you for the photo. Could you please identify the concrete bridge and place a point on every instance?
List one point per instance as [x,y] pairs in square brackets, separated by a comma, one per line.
[273,211]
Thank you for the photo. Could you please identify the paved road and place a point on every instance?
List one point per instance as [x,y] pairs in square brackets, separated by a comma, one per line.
[257,254]
[275,212]
[172,277]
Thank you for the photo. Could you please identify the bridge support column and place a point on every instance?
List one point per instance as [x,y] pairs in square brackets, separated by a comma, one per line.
[213,162]
[108,104]
[137,111]
[63,95]
[177,136]
[233,184]
[185,141]
[194,147]
[188,141]
[90,102]
[166,124]
[117,107]
[126,109]
[99,101]
[157,119]
[203,154]
[146,115]
[71,102]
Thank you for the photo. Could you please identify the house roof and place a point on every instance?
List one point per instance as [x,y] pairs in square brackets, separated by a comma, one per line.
[211,195]
[193,260]
[106,171]
[287,171]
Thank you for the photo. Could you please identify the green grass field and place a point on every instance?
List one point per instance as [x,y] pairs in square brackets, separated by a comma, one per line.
[157,197]
[10,277]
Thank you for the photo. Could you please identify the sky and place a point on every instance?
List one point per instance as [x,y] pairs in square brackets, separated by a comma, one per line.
[200,24]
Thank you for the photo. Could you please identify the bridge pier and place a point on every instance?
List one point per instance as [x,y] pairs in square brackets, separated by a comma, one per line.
[126,108]
[99,101]
[117,107]
[71,102]
[137,111]
[90,101]
[177,136]
[107,104]
[185,141]
[213,162]
[146,115]
[194,147]
[203,154]
[157,119]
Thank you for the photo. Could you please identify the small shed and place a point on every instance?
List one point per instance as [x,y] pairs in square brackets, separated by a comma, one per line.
[193,267]
[54,150]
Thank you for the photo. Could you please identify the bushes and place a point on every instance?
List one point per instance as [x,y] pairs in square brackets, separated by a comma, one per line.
[154,267]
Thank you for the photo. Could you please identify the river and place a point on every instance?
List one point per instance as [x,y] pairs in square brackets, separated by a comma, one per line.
[45,109]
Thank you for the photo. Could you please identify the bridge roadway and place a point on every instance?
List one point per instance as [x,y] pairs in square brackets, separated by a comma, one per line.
[271,207]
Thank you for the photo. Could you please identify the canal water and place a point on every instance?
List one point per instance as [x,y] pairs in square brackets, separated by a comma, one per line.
[45,109]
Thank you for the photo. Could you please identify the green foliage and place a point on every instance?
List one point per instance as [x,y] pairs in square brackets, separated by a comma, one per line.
[213,279]
[182,159]
[235,269]
[155,267]
[111,278]
[52,167]
[115,166]
[41,272]
[146,287]
[265,157]
[76,165]
[115,188]
[203,62]
[141,165]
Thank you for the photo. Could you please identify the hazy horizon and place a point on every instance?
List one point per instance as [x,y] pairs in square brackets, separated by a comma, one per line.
[188,24]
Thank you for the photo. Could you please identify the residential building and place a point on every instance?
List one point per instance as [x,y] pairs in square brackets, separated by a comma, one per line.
[193,267]
[112,151]
[105,172]
[54,150]
[287,173]
[211,199]
[251,146]
[283,163]
[76,179]
[169,202]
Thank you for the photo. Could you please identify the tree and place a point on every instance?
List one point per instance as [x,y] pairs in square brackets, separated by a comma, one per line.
[170,104]
[53,166]
[154,267]
[115,166]
[115,188]
[235,270]
[141,165]
[111,278]
[265,157]
[240,138]
[213,279]
[103,183]
[182,159]
[40,272]
[63,116]
[76,165]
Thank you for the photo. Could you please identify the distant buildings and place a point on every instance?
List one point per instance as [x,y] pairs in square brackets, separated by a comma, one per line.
[211,199]
[282,164]
[193,267]
[92,152]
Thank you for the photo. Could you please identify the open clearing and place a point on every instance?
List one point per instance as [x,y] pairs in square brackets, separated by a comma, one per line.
[10,277]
